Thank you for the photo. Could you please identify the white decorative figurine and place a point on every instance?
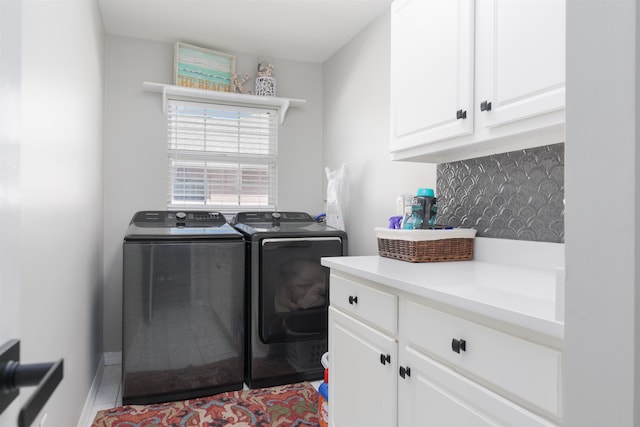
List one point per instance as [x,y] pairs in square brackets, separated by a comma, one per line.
[265,82]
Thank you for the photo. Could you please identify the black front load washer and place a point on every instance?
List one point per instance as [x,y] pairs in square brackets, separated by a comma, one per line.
[183,301]
[287,295]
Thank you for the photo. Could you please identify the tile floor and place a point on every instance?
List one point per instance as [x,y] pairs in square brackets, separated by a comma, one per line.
[109,394]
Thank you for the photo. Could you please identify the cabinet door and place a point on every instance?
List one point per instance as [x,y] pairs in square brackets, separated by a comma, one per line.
[528,370]
[362,374]
[434,395]
[431,71]
[520,59]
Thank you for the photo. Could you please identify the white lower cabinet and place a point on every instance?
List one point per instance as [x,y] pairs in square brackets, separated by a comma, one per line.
[436,368]
[435,395]
[363,383]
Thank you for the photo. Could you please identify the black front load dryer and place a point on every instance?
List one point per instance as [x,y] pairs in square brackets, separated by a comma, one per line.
[287,295]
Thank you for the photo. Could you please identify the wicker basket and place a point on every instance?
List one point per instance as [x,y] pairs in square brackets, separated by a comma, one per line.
[426,245]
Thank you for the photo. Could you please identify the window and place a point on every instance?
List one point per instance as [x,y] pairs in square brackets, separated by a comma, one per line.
[221,157]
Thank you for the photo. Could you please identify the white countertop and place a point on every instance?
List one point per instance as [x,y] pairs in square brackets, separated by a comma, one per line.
[520,295]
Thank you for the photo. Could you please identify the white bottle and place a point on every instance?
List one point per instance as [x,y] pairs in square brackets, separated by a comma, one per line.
[400,205]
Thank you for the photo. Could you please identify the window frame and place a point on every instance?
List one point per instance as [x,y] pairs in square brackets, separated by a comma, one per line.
[249,158]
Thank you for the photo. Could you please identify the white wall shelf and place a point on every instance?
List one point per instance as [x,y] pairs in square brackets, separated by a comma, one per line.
[282,104]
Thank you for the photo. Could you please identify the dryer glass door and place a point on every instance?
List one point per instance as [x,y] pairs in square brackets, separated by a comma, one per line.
[294,288]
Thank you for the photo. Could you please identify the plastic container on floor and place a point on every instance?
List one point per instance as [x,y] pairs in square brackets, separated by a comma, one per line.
[323,394]
[323,405]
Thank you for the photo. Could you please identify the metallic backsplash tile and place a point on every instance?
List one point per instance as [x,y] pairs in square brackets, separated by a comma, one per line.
[517,195]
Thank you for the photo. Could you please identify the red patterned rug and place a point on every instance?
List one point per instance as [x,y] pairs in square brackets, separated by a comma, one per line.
[292,405]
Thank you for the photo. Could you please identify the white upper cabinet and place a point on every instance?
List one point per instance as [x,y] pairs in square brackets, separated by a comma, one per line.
[521,59]
[475,78]
[431,100]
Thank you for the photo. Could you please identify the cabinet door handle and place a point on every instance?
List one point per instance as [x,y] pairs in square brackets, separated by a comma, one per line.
[485,106]
[405,372]
[385,358]
[353,300]
[458,345]
[461,114]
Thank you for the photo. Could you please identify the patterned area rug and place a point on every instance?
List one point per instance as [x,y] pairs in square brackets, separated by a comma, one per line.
[292,405]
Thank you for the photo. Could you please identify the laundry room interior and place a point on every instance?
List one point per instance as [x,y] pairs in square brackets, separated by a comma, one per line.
[88,87]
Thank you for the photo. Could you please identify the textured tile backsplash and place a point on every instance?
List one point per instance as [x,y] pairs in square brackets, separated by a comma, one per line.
[517,195]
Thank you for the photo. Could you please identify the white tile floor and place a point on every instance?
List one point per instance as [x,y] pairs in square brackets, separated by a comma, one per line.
[109,394]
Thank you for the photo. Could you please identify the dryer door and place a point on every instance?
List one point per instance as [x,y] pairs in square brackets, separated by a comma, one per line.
[294,288]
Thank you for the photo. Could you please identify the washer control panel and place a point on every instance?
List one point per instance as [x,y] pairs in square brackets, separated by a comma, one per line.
[170,219]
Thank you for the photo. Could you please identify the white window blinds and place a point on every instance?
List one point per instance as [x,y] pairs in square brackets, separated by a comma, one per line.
[221,157]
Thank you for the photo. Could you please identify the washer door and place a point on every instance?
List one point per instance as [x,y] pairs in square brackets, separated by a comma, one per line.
[294,288]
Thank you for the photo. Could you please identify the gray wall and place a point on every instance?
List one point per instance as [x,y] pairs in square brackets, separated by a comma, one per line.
[135,147]
[356,132]
[59,242]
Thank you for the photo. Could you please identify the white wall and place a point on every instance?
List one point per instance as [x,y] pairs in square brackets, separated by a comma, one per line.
[602,358]
[60,227]
[10,77]
[356,132]
[135,147]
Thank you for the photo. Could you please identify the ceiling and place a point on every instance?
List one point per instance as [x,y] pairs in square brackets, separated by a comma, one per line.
[301,30]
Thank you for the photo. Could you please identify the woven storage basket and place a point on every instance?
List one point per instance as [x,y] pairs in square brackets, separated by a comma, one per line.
[426,245]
